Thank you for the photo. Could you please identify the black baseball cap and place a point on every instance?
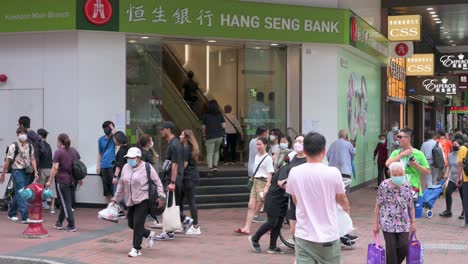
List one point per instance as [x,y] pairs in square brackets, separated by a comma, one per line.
[169,125]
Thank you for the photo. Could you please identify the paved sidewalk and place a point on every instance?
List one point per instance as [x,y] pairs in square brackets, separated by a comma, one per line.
[98,241]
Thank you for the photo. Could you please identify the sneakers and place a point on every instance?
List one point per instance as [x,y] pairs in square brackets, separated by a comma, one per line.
[164,236]
[187,223]
[156,225]
[446,214]
[193,231]
[149,240]
[215,168]
[275,251]
[58,226]
[461,217]
[13,218]
[45,205]
[346,242]
[52,211]
[255,245]
[134,253]
[351,237]
[69,228]
[122,215]
[27,221]
[258,219]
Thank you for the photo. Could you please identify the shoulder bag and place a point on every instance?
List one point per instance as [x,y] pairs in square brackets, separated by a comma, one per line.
[250,182]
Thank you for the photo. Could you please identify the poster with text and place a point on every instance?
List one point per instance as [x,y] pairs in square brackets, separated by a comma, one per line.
[359,110]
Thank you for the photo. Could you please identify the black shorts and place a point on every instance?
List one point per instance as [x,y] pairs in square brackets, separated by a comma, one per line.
[107,175]
[291,214]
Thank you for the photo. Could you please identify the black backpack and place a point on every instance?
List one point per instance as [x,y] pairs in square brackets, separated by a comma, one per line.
[15,154]
[153,195]
[438,160]
[79,170]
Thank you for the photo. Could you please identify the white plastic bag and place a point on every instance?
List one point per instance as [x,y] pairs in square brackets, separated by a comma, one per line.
[345,224]
[171,216]
[111,213]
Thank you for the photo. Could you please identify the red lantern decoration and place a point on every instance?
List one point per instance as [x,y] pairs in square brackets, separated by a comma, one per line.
[3,78]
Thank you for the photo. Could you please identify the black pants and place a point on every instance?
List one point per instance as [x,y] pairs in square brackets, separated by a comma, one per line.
[274,224]
[188,192]
[230,149]
[65,192]
[465,200]
[136,221]
[381,173]
[451,187]
[396,247]
[107,175]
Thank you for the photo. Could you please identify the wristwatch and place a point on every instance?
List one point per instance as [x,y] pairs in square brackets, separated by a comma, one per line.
[172,182]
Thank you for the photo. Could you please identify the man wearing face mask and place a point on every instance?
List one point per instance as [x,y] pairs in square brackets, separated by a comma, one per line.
[392,144]
[106,158]
[20,156]
[381,151]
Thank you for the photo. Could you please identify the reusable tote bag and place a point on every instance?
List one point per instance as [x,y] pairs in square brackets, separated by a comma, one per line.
[375,252]
[415,251]
[171,216]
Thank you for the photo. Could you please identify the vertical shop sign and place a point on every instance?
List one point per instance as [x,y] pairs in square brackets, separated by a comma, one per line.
[420,65]
[404,28]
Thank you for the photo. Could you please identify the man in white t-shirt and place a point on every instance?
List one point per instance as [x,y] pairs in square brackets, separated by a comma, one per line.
[316,190]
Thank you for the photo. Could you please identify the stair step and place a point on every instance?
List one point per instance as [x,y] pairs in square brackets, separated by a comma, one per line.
[217,181]
[221,189]
[222,198]
[220,205]
[225,173]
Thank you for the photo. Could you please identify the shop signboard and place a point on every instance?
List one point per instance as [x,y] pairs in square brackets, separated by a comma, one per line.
[453,62]
[402,49]
[463,82]
[235,19]
[33,15]
[404,28]
[437,85]
[458,110]
[420,65]
[368,39]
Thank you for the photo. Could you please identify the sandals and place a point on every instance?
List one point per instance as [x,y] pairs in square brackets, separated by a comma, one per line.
[240,232]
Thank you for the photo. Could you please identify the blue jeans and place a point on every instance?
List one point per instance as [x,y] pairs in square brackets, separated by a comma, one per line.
[20,179]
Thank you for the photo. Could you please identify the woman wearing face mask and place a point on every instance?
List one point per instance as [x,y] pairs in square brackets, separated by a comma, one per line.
[297,160]
[279,157]
[62,168]
[381,152]
[451,174]
[274,139]
[146,144]
[394,200]
[133,185]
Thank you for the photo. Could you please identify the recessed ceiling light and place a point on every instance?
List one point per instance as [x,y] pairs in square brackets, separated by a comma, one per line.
[432,12]
[144,37]
[429,8]
[274,44]
[436,18]
[439,22]
[435,15]
[212,41]
[442,27]
[449,37]
[132,41]
[450,41]
[446,32]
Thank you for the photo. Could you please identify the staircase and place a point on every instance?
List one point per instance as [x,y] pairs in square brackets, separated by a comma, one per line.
[228,189]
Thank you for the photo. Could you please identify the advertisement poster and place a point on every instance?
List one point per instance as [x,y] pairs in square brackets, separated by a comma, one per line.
[359,110]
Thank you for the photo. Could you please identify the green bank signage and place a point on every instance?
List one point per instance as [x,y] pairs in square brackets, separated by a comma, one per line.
[197,18]
[235,19]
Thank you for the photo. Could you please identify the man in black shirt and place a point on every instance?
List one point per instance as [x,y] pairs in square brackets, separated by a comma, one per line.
[44,167]
[190,90]
[173,173]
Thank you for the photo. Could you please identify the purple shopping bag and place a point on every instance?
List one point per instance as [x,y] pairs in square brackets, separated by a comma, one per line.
[415,251]
[375,252]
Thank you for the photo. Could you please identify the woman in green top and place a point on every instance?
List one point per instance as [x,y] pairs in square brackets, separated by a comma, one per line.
[414,160]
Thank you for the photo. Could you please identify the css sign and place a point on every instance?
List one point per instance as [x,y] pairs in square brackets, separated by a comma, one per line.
[420,65]
[420,68]
[402,28]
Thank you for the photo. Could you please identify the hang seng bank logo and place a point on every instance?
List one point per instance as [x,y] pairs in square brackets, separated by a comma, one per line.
[98,12]
[450,61]
[432,85]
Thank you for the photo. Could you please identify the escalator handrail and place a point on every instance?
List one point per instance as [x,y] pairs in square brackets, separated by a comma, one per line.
[200,94]
[153,60]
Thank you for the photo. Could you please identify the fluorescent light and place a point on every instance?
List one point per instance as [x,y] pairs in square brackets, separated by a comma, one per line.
[436,18]
[132,41]
[439,22]
[446,32]
[449,37]
[442,27]
[429,8]
[212,41]
[435,15]
[274,44]
[144,37]
[432,12]
[450,41]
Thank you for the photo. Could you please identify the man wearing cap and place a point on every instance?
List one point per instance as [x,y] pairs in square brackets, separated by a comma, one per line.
[44,167]
[173,169]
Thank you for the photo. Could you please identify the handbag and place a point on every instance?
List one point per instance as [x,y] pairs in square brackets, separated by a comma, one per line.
[345,223]
[250,182]
[153,195]
[375,252]
[171,216]
[415,251]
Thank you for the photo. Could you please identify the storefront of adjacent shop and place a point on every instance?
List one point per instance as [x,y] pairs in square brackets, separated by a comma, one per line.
[73,64]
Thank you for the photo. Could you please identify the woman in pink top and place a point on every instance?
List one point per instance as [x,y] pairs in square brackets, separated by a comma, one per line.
[134,185]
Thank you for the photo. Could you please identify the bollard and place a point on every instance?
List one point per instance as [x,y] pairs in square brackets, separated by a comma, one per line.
[34,194]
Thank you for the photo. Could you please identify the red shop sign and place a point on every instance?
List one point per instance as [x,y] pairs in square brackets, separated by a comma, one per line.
[98,12]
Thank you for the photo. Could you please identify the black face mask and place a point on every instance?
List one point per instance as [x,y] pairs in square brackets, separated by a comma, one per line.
[107,131]
[456,148]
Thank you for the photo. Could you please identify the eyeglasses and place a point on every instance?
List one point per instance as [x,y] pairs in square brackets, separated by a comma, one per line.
[399,136]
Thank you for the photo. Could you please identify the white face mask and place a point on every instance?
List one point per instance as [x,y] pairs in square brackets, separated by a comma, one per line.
[298,147]
[152,144]
[395,129]
[23,137]
[382,141]
[272,137]
[283,145]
